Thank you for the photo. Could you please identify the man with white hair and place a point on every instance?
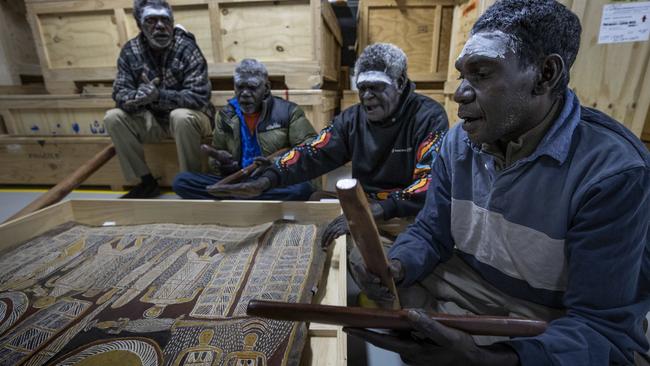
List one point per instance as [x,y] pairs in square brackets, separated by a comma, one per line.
[391,138]
[252,126]
[161,90]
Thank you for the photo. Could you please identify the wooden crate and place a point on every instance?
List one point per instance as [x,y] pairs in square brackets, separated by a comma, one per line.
[79,41]
[83,115]
[422,28]
[47,161]
[646,129]
[465,15]
[18,58]
[327,344]
[614,78]
[351,97]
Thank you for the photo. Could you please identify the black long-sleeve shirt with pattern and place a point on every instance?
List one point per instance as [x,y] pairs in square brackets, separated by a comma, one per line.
[392,160]
[182,71]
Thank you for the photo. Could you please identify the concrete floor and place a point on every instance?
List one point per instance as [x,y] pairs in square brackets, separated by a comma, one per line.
[359,352]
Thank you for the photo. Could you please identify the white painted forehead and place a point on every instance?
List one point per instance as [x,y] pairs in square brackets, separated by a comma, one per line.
[373,77]
[150,11]
[493,44]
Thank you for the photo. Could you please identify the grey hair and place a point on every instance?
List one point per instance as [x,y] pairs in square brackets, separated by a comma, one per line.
[385,57]
[250,67]
[139,5]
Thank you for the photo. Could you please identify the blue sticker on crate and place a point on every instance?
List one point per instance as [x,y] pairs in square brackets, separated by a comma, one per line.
[75,127]
[97,128]
[35,128]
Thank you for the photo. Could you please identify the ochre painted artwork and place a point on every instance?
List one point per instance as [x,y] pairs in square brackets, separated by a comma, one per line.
[160,294]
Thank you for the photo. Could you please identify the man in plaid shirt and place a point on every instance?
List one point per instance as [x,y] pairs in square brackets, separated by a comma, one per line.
[161,90]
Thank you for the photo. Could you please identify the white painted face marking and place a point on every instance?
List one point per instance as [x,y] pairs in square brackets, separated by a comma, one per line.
[150,11]
[374,76]
[489,44]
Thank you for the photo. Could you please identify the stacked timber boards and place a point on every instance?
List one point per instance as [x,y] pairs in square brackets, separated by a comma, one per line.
[53,135]
[82,115]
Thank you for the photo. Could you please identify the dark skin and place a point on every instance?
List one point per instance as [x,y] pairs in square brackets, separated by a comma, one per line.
[250,92]
[158,29]
[159,32]
[380,98]
[500,98]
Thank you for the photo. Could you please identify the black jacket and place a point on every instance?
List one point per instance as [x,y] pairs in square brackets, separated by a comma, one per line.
[392,160]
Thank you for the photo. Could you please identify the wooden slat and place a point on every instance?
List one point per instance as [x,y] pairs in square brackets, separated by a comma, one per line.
[286,35]
[413,25]
[49,160]
[20,230]
[75,115]
[215,28]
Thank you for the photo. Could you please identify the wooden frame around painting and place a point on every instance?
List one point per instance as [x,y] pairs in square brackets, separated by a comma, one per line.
[326,344]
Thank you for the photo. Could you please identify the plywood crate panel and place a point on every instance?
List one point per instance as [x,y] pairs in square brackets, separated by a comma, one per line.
[18,58]
[614,78]
[79,41]
[422,28]
[83,115]
[465,15]
[47,161]
[351,97]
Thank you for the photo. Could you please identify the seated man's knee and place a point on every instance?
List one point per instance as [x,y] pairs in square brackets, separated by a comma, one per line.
[114,117]
[181,181]
[181,117]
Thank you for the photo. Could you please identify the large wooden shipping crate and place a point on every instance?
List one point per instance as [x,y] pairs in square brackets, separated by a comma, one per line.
[614,78]
[465,15]
[327,344]
[18,58]
[49,160]
[82,115]
[79,41]
[422,28]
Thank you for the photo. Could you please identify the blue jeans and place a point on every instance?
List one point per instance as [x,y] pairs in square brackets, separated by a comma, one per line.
[193,186]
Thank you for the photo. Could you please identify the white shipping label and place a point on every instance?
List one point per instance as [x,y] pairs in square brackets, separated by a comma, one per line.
[625,22]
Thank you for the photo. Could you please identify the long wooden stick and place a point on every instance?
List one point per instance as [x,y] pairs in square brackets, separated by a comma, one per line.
[356,317]
[247,171]
[364,232]
[74,180]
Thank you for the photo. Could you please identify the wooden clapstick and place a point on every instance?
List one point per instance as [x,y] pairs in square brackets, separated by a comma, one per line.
[356,317]
[74,180]
[247,171]
[364,232]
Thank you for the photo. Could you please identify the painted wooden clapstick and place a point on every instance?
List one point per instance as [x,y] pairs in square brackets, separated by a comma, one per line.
[247,171]
[356,317]
[364,232]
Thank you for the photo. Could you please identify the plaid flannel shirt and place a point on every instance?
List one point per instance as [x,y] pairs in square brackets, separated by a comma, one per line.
[183,75]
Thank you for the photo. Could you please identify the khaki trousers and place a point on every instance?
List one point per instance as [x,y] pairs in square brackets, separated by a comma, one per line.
[130,131]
